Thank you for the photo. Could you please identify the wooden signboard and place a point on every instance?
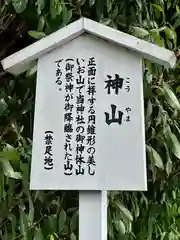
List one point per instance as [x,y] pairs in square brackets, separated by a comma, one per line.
[89,115]
[89,118]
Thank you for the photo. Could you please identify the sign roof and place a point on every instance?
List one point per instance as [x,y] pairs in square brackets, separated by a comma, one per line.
[20,61]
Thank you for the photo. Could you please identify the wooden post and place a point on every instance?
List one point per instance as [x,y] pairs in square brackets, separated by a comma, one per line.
[93,215]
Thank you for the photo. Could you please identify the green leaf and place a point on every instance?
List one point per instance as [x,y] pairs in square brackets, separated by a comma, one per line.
[155,158]
[149,111]
[159,8]
[31,212]
[174,194]
[53,222]
[23,225]
[65,230]
[52,237]
[139,2]
[41,4]
[150,227]
[171,97]
[110,226]
[59,9]
[91,2]
[31,71]
[177,23]
[99,9]
[140,32]
[105,21]
[3,106]
[71,210]
[73,236]
[38,235]
[158,30]
[121,20]
[8,169]
[25,176]
[135,207]
[19,5]
[174,143]
[176,15]
[157,38]
[62,220]
[115,13]
[109,5]
[74,222]
[9,148]
[163,236]
[13,225]
[169,163]
[169,44]
[41,23]
[66,15]
[10,153]
[171,34]
[120,227]
[168,4]
[125,211]
[177,8]
[149,77]
[169,167]
[172,236]
[36,35]
[53,9]
[178,89]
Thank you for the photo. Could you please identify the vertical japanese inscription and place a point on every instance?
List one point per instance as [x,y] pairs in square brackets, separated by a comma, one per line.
[76,77]
[80,120]
[59,73]
[114,86]
[48,154]
[91,129]
[68,116]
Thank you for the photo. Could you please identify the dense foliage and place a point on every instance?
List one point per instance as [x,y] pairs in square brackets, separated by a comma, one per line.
[37,215]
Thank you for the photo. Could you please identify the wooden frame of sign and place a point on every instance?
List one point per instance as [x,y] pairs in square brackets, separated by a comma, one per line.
[89,114]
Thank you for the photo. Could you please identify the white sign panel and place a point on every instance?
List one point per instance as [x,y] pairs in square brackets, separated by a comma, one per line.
[89,119]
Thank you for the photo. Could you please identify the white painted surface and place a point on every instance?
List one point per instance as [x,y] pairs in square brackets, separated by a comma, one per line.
[20,61]
[120,149]
[93,215]
[146,50]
